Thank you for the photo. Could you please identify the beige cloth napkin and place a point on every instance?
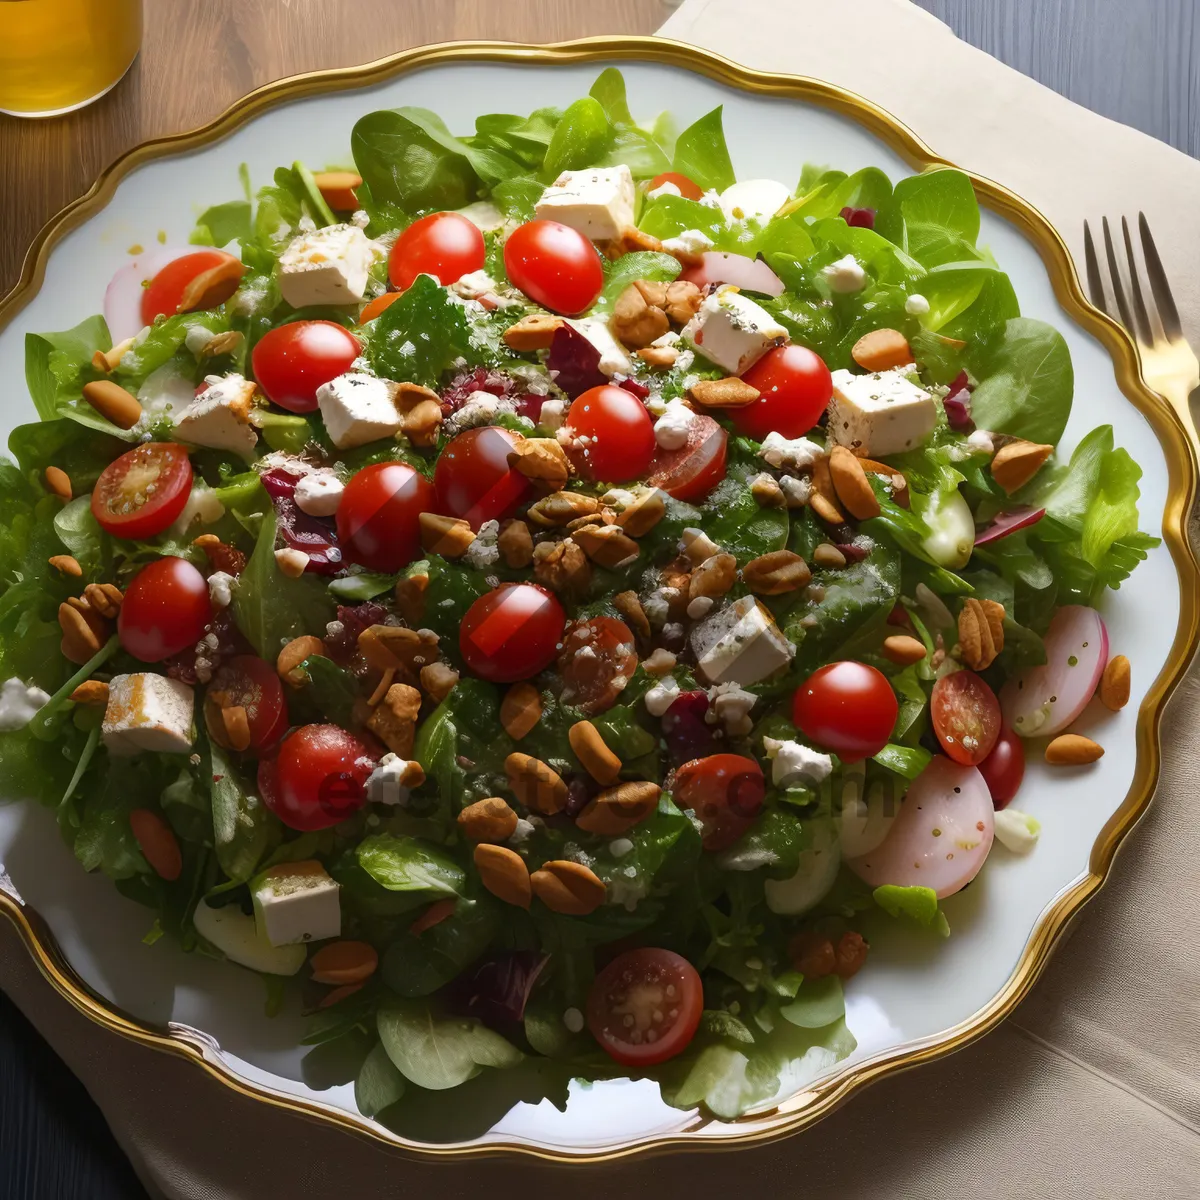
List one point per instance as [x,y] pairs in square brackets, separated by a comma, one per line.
[1093,1088]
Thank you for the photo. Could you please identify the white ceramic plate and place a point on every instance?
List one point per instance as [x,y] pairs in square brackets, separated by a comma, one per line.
[918,995]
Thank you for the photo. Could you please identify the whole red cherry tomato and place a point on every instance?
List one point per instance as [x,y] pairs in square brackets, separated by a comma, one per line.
[555,266]
[613,434]
[965,715]
[796,387]
[847,707]
[165,610]
[725,791]
[444,244]
[473,479]
[291,362]
[139,494]
[318,778]
[379,518]
[692,471]
[511,632]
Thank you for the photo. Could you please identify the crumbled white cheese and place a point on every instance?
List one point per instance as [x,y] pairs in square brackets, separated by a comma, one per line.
[671,430]
[845,276]
[483,551]
[980,440]
[793,454]
[553,413]
[203,507]
[732,331]
[916,305]
[597,201]
[700,607]
[220,588]
[690,243]
[666,188]
[657,607]
[319,493]
[383,784]
[481,408]
[522,833]
[326,266]
[1017,831]
[797,489]
[19,704]
[794,763]
[662,695]
[473,285]
[881,413]
[730,705]
[148,712]
[197,337]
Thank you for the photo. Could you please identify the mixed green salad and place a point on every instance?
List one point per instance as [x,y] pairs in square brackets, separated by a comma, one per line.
[555,600]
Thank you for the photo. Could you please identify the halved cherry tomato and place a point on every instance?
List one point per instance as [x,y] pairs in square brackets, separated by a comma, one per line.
[473,479]
[1004,768]
[620,434]
[165,293]
[692,471]
[796,386]
[644,1006]
[250,683]
[166,609]
[139,494]
[379,518]
[847,707]
[725,791]
[374,307]
[511,632]
[291,362]
[966,716]
[444,244]
[554,265]
[318,778]
[597,659]
[687,189]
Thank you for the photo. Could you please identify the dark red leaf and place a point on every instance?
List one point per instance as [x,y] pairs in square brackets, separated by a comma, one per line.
[316,536]
[573,362]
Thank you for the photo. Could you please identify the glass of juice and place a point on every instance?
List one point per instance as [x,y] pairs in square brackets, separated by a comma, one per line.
[58,55]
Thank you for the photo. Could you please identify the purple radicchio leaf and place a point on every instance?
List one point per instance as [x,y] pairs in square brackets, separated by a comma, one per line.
[496,990]
[573,362]
[316,536]
[1002,524]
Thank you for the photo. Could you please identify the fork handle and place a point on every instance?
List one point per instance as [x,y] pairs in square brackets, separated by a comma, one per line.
[1178,397]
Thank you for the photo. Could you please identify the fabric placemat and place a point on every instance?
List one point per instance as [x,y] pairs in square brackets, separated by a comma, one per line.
[1093,1087]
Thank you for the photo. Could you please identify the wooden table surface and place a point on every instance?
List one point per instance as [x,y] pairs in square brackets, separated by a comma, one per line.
[1131,61]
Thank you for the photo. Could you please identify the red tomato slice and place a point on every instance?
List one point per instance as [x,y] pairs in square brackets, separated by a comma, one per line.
[250,683]
[597,659]
[318,778]
[204,279]
[619,434]
[725,791]
[141,493]
[473,479]
[644,1006]
[847,707]
[444,244]
[692,471]
[966,717]
[166,609]
[511,632]
[555,266]
[379,518]
[373,308]
[291,362]
[687,189]
[1004,769]
[796,387]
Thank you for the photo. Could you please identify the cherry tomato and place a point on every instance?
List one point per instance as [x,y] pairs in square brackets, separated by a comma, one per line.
[318,778]
[692,471]
[473,479]
[687,189]
[847,707]
[554,265]
[662,993]
[378,520]
[725,791]
[373,308]
[597,660]
[511,632]
[444,244]
[250,683]
[796,386]
[1004,768]
[139,494]
[620,434]
[165,610]
[165,293]
[290,363]
[966,716]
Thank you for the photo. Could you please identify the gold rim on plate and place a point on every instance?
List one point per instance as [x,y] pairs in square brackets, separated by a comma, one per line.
[810,1105]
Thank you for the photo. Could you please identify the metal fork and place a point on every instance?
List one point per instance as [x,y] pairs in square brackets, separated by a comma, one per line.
[1169,363]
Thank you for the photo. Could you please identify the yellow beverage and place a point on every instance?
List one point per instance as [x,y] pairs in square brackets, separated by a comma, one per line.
[56,55]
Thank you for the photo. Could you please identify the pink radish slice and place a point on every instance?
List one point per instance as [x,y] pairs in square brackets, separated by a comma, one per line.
[1008,522]
[750,274]
[1042,701]
[941,836]
[123,299]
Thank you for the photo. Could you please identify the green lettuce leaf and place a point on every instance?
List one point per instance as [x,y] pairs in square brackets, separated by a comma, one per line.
[701,153]
[403,864]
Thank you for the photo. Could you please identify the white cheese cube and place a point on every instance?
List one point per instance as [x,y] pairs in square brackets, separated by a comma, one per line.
[878,414]
[326,266]
[358,408]
[297,902]
[613,359]
[757,198]
[732,331]
[740,644]
[148,712]
[220,416]
[598,202]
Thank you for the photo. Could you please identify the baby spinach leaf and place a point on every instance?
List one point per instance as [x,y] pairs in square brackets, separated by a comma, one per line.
[581,139]
[868,188]
[403,864]
[667,216]
[417,965]
[638,150]
[58,364]
[80,533]
[378,1084]
[609,91]
[818,1003]
[82,452]
[222,224]
[934,216]
[243,827]
[333,690]
[701,153]
[741,526]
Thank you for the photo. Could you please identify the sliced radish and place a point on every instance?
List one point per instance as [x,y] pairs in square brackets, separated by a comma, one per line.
[1008,522]
[749,274]
[123,298]
[941,836]
[1042,701]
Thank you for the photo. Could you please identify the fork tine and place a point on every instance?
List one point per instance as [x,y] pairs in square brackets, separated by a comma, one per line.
[1113,270]
[1139,305]
[1094,280]
[1168,314]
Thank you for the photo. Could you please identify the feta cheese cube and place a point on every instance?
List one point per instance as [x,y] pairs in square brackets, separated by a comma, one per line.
[358,408]
[326,266]
[757,198]
[879,414]
[148,712]
[740,644]
[598,202]
[220,416]
[732,331]
[296,902]
[613,359]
